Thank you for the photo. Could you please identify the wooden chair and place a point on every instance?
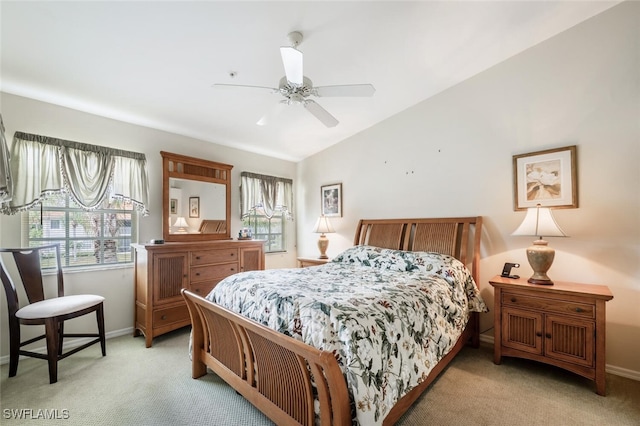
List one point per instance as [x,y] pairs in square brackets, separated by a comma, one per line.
[51,312]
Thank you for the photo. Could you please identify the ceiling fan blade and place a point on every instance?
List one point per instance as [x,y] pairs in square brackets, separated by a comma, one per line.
[345,90]
[292,61]
[230,86]
[320,113]
[275,111]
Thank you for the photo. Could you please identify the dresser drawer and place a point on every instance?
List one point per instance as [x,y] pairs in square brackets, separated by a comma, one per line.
[163,317]
[213,272]
[203,288]
[205,257]
[548,305]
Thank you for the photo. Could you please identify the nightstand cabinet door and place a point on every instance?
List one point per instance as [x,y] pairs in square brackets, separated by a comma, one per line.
[522,330]
[570,340]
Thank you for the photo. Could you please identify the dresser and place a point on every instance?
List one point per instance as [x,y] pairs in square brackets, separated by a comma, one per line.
[162,270]
[561,324]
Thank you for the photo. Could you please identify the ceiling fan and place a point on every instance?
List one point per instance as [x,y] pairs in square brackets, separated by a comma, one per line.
[296,88]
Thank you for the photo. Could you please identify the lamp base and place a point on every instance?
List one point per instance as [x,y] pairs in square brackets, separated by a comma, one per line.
[540,257]
[539,282]
[323,243]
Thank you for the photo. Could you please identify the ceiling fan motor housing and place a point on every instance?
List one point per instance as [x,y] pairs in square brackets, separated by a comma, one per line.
[293,92]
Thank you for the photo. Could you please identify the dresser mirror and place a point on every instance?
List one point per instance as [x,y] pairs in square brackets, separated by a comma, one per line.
[196,199]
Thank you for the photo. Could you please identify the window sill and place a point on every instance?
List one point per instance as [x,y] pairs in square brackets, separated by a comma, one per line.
[85,269]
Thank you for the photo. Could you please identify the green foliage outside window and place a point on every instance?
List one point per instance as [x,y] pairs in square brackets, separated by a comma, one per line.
[86,238]
[270,230]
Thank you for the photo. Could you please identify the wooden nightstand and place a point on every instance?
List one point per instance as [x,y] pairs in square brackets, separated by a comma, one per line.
[303,262]
[561,324]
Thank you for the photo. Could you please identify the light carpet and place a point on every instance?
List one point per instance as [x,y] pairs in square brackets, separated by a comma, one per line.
[134,385]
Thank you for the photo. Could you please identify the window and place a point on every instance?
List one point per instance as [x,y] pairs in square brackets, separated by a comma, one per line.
[266,202]
[272,230]
[86,238]
[77,195]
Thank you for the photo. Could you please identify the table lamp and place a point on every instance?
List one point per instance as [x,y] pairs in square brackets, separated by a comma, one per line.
[539,222]
[323,226]
[182,225]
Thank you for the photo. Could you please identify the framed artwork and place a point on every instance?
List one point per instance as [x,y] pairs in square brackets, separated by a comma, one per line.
[548,178]
[173,206]
[194,206]
[331,200]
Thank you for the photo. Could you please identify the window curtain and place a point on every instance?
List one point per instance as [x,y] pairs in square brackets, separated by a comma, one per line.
[41,165]
[272,194]
[6,190]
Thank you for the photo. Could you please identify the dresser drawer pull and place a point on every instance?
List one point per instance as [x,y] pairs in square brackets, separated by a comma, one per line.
[513,300]
[164,317]
[548,335]
[197,274]
[579,310]
[197,257]
[538,334]
[231,254]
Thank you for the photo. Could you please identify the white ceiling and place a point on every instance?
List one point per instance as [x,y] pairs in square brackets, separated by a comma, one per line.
[153,63]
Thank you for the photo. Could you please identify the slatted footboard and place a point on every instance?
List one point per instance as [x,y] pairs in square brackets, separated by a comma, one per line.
[276,373]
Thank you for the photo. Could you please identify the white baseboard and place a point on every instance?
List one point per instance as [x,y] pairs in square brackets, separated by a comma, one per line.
[70,344]
[612,369]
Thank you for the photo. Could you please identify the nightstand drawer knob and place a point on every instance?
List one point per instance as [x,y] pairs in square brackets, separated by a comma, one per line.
[578,309]
[513,300]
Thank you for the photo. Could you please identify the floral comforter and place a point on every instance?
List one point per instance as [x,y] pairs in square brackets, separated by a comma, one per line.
[388,316]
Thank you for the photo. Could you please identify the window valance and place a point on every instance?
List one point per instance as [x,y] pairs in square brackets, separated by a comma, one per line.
[272,194]
[42,165]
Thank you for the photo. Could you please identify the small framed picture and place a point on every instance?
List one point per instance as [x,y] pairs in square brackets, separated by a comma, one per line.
[194,206]
[173,206]
[331,200]
[548,178]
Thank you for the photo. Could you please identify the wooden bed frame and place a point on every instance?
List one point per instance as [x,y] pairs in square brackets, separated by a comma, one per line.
[277,373]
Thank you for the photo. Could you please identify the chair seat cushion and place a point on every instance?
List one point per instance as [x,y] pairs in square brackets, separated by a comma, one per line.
[59,306]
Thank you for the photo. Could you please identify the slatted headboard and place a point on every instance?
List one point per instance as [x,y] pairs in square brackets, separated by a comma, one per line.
[458,237]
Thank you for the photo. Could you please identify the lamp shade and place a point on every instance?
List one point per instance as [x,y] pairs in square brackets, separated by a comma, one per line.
[323,226]
[539,222]
[181,222]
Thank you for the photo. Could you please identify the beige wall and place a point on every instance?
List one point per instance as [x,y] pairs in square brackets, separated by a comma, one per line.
[116,285]
[451,155]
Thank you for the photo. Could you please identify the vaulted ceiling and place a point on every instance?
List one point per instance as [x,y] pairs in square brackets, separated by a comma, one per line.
[154,63]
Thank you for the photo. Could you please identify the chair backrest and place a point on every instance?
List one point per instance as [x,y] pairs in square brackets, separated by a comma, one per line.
[28,264]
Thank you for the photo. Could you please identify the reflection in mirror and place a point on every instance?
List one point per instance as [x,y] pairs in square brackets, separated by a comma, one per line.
[196,199]
[208,215]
